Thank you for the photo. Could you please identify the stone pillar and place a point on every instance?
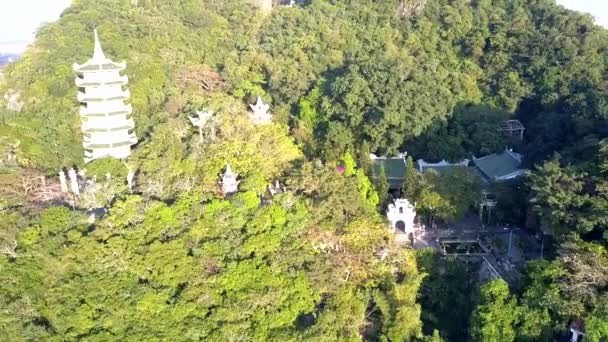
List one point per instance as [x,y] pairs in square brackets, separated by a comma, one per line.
[74,182]
[130,178]
[63,182]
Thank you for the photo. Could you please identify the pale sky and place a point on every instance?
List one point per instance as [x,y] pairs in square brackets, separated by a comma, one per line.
[597,8]
[19,19]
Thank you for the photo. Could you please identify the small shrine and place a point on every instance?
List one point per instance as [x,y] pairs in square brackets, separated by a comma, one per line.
[107,126]
[260,114]
[200,120]
[229,182]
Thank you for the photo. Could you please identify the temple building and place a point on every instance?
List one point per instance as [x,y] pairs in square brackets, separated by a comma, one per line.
[394,170]
[107,126]
[442,165]
[500,166]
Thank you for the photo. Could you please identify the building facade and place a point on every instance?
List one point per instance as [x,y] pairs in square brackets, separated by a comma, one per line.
[401,215]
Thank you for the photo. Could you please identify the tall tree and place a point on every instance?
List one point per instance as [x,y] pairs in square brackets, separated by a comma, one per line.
[382,187]
[365,162]
[560,199]
[411,184]
[496,314]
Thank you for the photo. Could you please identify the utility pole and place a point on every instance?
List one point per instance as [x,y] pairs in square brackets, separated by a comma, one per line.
[489,214]
[542,245]
[510,240]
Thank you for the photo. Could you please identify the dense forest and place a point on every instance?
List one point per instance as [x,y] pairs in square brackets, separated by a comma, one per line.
[173,259]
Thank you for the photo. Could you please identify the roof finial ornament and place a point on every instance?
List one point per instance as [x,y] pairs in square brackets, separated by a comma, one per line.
[98,54]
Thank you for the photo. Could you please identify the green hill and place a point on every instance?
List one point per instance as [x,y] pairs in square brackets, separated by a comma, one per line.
[175,259]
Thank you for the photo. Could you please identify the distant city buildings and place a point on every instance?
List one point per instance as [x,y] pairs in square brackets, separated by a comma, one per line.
[5,59]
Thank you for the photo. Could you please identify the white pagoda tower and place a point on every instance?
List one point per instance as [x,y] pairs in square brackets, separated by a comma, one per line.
[107,125]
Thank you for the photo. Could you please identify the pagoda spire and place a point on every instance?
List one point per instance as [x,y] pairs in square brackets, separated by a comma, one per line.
[98,54]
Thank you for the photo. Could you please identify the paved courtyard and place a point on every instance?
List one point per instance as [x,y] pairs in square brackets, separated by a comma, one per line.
[508,248]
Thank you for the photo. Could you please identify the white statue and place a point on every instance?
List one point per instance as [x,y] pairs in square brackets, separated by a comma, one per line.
[130,178]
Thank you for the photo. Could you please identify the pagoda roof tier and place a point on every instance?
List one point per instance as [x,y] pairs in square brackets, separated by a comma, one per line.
[122,80]
[132,140]
[90,66]
[126,110]
[99,62]
[83,97]
[119,152]
[104,130]
[124,125]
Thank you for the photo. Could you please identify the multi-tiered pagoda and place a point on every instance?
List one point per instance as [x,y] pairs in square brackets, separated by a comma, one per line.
[107,125]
